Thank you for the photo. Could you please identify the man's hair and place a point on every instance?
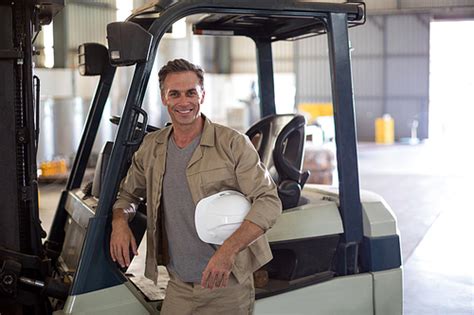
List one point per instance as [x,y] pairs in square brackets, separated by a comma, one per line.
[180,65]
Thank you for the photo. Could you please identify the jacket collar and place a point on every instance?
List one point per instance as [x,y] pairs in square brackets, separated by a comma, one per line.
[207,135]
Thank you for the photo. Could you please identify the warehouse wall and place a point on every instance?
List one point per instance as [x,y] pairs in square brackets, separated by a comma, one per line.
[243,54]
[374,7]
[390,63]
[83,21]
[80,22]
[390,57]
[390,72]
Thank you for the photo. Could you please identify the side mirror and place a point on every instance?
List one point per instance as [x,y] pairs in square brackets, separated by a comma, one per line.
[129,43]
[93,58]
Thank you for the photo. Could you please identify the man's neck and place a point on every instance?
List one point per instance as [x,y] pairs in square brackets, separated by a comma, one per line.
[184,135]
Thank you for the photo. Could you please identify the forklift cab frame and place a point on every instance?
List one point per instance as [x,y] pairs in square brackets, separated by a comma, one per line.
[264,22]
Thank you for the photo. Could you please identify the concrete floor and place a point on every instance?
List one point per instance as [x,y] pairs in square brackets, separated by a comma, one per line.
[427,187]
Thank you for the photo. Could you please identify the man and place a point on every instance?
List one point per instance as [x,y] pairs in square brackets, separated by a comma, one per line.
[173,169]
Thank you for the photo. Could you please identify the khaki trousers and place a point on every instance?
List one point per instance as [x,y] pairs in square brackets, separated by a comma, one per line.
[184,298]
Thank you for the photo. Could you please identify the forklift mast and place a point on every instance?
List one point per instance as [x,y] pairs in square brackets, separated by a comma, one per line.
[23,264]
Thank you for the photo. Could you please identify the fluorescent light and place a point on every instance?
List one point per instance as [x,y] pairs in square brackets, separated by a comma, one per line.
[124,8]
[48,40]
[179,29]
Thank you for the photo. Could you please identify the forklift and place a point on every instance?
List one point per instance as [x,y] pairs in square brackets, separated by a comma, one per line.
[336,249]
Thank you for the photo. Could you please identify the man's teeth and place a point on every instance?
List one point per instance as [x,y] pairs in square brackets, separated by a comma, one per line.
[184,111]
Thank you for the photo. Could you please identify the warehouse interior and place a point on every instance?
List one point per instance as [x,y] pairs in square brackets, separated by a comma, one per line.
[413,90]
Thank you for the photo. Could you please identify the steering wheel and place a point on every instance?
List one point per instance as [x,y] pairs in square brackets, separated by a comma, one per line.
[149,128]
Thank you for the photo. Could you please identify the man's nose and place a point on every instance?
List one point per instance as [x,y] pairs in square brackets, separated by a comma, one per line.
[183,97]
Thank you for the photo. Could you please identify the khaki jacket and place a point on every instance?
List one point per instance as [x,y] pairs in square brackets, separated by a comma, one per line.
[224,159]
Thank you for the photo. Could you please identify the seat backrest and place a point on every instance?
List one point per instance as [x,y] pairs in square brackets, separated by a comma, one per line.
[138,224]
[101,167]
[264,134]
[289,150]
[279,140]
[104,158]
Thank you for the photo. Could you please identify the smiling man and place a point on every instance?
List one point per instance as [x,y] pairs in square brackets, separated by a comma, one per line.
[173,170]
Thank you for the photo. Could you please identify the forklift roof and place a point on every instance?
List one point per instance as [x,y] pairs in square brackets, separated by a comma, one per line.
[282,20]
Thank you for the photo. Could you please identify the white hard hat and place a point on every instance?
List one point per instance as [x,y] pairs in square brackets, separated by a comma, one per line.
[219,215]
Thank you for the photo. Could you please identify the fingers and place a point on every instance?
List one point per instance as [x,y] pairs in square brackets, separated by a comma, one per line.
[125,255]
[112,252]
[211,281]
[118,252]
[222,279]
[216,274]
[205,277]
[118,255]
[219,279]
[120,245]
[215,279]
[225,279]
[134,246]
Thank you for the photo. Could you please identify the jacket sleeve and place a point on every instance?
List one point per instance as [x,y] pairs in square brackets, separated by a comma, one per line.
[133,186]
[256,183]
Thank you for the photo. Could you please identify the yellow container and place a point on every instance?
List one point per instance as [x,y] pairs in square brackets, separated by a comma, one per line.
[384,130]
[53,168]
[315,110]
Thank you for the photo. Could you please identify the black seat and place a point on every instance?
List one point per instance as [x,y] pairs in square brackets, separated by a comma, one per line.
[101,167]
[138,224]
[279,140]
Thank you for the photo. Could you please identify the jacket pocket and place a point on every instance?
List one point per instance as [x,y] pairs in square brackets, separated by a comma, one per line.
[216,180]
[242,265]
[261,252]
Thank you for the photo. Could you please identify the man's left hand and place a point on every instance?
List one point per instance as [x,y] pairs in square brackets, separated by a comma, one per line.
[217,272]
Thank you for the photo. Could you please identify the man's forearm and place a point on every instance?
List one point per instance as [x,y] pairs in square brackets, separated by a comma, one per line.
[242,237]
[120,214]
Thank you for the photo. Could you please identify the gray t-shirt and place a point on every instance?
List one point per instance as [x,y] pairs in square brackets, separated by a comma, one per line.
[188,254]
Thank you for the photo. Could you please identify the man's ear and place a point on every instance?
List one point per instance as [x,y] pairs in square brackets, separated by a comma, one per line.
[163,99]
[203,96]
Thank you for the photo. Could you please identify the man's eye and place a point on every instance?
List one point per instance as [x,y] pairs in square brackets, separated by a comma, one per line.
[173,94]
[192,93]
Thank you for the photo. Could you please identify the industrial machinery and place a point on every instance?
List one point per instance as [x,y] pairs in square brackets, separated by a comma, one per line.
[336,249]
[25,268]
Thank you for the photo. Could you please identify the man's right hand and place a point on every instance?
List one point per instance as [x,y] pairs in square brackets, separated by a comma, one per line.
[121,241]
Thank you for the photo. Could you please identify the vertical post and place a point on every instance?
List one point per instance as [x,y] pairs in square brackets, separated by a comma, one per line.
[56,235]
[265,76]
[60,38]
[91,127]
[9,224]
[384,66]
[344,119]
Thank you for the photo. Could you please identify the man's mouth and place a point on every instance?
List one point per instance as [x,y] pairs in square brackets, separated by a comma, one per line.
[183,111]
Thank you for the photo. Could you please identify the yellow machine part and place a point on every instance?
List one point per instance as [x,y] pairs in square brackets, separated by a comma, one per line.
[384,130]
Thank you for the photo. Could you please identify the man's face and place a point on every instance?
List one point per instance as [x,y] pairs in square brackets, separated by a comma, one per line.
[183,96]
